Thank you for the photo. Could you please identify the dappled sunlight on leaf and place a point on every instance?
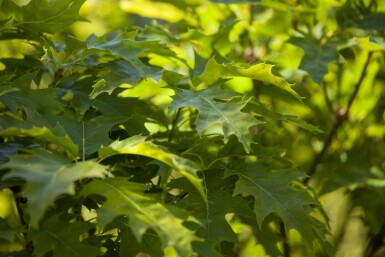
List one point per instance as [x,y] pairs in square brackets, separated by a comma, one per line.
[49,175]
[138,146]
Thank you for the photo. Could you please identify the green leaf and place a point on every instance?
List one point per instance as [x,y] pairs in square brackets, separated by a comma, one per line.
[126,45]
[21,66]
[260,71]
[20,95]
[211,112]
[72,45]
[8,149]
[213,215]
[150,242]
[373,21]
[12,127]
[6,84]
[138,146]
[318,55]
[10,240]
[117,44]
[50,16]
[235,1]
[123,71]
[207,248]
[48,175]
[371,43]
[273,194]
[301,123]
[88,135]
[371,199]
[143,212]
[377,41]
[130,70]
[256,108]
[8,233]
[334,174]
[62,238]
[109,105]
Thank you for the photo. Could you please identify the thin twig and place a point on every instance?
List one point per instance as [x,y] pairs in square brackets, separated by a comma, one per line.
[341,116]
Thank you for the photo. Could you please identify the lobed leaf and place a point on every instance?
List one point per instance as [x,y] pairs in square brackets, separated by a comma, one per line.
[318,55]
[138,146]
[62,238]
[20,94]
[273,194]
[211,112]
[143,212]
[48,175]
[88,135]
[213,215]
[131,69]
[50,16]
[12,127]
[261,71]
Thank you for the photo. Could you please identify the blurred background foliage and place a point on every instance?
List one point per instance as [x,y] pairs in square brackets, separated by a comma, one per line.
[332,51]
[338,43]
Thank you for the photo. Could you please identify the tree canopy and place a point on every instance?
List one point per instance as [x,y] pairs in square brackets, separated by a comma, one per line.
[192,128]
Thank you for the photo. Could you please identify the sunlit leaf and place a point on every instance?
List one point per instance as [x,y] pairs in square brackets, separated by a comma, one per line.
[211,112]
[50,16]
[235,1]
[48,175]
[143,212]
[199,115]
[124,71]
[138,146]
[260,71]
[12,127]
[150,9]
[371,43]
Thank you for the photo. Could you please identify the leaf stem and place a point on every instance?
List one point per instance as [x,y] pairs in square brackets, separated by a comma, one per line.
[84,143]
[286,246]
[28,244]
[207,205]
[174,123]
[327,99]
[341,115]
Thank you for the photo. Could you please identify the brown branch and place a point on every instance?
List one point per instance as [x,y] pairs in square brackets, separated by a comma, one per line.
[341,115]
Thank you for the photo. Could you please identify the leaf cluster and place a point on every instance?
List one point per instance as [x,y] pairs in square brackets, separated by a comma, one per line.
[170,137]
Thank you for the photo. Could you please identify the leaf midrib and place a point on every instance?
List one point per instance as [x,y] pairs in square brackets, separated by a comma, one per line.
[264,190]
[221,113]
[120,192]
[63,242]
